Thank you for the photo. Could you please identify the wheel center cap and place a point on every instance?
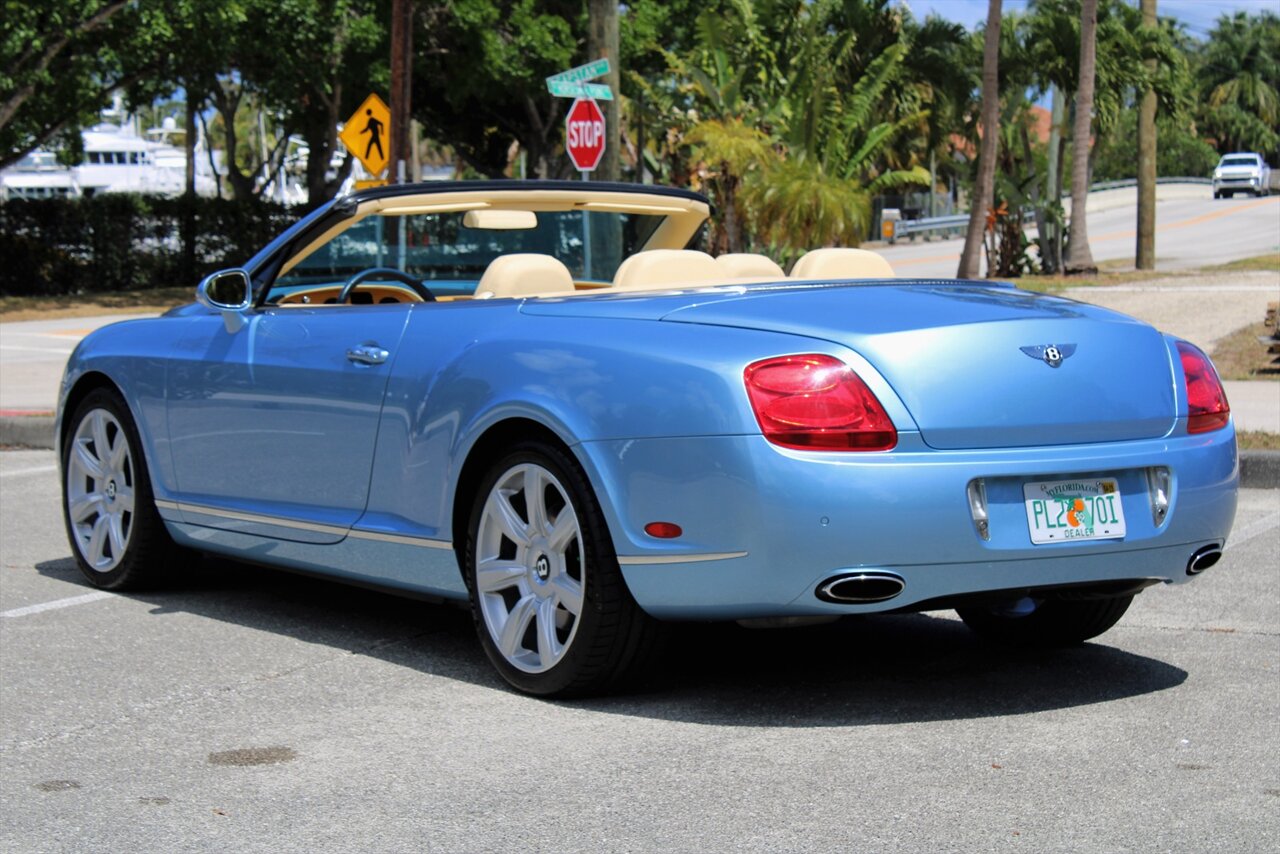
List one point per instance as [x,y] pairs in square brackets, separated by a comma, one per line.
[111,489]
[542,568]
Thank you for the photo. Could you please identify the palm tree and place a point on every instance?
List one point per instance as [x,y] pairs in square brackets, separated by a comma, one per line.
[985,187]
[1079,256]
[818,191]
[727,151]
[1239,82]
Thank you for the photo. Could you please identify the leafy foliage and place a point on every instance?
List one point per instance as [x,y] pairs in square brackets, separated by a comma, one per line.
[1238,80]
[120,241]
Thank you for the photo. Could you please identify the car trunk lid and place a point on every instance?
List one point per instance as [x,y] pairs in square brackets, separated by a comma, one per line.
[981,366]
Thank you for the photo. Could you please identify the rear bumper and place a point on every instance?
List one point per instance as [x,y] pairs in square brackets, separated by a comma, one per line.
[764,527]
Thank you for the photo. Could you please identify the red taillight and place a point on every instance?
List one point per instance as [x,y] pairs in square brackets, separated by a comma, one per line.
[663,530]
[1207,407]
[816,402]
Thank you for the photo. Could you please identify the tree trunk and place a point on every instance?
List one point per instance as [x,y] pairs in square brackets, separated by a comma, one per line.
[985,186]
[1146,248]
[1051,232]
[602,41]
[187,228]
[1079,256]
[401,90]
[226,104]
[189,145]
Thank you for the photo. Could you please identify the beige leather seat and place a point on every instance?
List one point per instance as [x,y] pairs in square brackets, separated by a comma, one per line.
[524,275]
[841,264]
[744,265]
[656,269]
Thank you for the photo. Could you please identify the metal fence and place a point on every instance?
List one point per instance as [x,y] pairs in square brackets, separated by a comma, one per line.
[955,225]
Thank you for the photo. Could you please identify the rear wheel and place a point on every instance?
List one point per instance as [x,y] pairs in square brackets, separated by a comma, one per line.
[1046,622]
[550,605]
[117,537]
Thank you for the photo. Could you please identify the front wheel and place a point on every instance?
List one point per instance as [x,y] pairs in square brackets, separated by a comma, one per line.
[117,537]
[550,605]
[1046,622]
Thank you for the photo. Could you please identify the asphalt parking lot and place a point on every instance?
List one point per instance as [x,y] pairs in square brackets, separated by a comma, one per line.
[253,710]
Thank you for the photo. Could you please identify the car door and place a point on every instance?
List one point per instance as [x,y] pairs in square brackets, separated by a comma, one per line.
[272,426]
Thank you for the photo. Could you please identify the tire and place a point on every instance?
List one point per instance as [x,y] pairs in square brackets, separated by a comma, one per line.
[549,602]
[1052,622]
[117,537]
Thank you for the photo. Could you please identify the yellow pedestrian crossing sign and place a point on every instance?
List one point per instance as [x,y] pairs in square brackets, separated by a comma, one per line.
[367,134]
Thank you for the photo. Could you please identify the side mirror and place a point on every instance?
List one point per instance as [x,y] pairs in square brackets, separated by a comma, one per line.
[227,291]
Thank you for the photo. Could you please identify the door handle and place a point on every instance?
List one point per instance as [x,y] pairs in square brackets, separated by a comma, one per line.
[367,354]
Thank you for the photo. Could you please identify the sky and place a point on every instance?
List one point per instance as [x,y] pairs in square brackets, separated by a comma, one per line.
[1198,16]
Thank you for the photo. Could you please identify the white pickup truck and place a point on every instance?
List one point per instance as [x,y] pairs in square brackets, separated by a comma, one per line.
[1243,172]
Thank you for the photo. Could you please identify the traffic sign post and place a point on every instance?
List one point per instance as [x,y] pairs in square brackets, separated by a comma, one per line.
[367,134]
[584,135]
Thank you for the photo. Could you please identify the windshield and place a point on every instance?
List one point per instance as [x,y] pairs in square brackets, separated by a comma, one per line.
[1239,161]
[440,248]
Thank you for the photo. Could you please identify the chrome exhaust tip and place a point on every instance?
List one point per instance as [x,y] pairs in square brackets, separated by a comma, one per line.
[1203,558]
[860,588]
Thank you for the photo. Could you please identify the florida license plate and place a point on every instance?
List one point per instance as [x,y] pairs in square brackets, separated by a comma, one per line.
[1062,510]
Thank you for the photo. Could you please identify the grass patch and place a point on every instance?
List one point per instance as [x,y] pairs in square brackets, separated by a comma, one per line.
[1257,440]
[1056,284]
[1269,263]
[1241,356]
[1121,272]
[152,300]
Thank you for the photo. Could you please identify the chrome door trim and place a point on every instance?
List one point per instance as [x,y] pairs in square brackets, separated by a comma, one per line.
[282,522]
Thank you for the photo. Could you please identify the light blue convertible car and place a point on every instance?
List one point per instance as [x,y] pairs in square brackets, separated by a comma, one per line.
[534,396]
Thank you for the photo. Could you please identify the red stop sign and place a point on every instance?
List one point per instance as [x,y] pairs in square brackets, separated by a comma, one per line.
[584,134]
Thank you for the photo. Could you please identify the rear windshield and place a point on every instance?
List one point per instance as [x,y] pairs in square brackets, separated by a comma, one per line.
[438,247]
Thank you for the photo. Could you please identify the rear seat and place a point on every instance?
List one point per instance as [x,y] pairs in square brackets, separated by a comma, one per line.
[840,263]
[659,269]
[744,265]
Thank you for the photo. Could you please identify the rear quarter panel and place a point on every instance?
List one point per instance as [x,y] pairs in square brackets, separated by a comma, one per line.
[465,367]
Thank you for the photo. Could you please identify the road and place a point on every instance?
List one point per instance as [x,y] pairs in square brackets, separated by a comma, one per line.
[1190,232]
[251,710]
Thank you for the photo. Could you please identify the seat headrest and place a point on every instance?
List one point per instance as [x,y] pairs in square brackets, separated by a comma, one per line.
[840,263]
[523,275]
[665,268]
[745,265]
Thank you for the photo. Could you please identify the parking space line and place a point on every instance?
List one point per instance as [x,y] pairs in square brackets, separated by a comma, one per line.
[1255,530]
[57,603]
[20,472]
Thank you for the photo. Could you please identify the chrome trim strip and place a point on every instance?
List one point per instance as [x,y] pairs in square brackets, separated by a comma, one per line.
[634,560]
[402,539]
[280,522]
[261,520]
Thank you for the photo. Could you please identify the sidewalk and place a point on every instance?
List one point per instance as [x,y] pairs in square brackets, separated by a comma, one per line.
[34,353]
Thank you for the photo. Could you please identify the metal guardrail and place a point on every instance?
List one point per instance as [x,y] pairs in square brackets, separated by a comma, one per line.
[1133,182]
[953,226]
[957,224]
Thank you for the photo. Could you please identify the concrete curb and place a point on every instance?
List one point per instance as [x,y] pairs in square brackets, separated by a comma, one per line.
[1258,469]
[27,431]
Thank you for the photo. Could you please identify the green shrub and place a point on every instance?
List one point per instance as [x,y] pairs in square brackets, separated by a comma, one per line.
[118,242]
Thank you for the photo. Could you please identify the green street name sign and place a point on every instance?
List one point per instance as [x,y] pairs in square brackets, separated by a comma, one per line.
[564,89]
[590,71]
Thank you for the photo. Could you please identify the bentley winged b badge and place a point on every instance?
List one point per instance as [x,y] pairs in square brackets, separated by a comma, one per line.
[1052,354]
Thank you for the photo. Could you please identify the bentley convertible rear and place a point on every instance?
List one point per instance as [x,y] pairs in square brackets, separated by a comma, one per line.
[531,397]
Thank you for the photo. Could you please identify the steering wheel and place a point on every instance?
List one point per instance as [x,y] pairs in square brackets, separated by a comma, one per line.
[384,273]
